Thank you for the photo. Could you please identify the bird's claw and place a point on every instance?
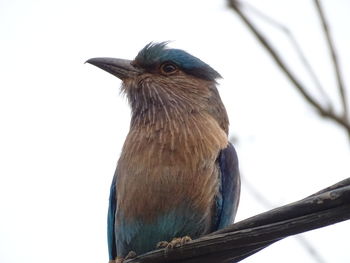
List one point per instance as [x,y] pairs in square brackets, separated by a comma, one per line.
[162,244]
[130,255]
[176,242]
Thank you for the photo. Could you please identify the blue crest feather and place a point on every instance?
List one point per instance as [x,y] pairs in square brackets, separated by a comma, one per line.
[154,54]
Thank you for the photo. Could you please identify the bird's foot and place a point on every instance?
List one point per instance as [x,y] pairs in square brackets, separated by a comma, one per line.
[176,242]
[130,255]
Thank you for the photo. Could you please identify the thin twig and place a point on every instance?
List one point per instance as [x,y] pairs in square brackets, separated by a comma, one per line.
[310,249]
[296,47]
[327,113]
[334,56]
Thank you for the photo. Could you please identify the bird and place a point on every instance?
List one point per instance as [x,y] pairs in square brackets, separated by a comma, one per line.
[177,177]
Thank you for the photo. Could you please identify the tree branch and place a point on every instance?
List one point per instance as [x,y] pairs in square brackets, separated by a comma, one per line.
[240,240]
[334,58]
[296,47]
[327,113]
[263,201]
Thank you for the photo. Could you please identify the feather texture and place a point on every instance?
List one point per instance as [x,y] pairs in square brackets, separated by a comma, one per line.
[177,174]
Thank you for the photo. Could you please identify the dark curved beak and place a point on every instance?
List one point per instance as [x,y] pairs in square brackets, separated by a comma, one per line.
[121,68]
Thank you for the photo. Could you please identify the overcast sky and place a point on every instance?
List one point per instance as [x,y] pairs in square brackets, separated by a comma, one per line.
[63,122]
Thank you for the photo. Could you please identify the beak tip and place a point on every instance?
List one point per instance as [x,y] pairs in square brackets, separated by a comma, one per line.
[121,68]
[89,61]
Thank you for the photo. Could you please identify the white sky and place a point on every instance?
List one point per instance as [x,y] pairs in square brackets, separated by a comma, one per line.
[63,123]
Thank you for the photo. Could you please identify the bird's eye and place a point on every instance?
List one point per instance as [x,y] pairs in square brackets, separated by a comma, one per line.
[168,68]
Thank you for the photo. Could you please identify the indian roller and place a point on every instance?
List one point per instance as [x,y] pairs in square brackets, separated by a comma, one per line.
[177,177]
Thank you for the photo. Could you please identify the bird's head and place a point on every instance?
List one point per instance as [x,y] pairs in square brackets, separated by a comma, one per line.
[160,78]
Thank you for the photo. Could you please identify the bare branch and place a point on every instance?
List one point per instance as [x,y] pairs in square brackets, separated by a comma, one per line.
[296,47]
[327,113]
[240,240]
[310,249]
[262,200]
[334,58]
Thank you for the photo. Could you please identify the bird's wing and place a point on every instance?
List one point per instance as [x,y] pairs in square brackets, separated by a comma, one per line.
[112,247]
[229,190]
